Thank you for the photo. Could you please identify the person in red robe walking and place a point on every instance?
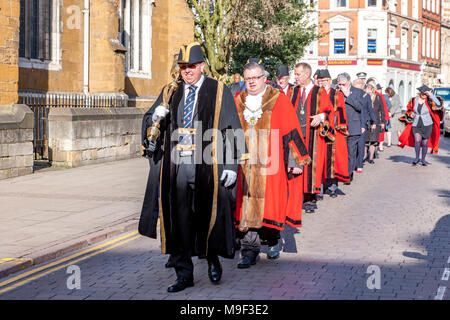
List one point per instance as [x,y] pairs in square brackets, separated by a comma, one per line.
[423,116]
[336,166]
[315,114]
[269,181]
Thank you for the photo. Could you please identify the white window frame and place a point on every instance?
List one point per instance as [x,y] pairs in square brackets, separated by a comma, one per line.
[433,5]
[393,5]
[423,42]
[415,46]
[142,58]
[377,6]
[372,38]
[437,6]
[433,45]
[333,5]
[427,42]
[429,5]
[404,44]
[346,42]
[405,7]
[437,45]
[54,64]
[415,9]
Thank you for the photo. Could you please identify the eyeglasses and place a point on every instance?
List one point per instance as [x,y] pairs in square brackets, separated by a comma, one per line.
[253,78]
[341,84]
[187,66]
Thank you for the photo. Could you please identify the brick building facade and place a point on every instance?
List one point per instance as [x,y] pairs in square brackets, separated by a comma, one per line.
[112,47]
[383,38]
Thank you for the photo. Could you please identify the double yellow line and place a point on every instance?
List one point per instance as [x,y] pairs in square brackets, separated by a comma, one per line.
[40,272]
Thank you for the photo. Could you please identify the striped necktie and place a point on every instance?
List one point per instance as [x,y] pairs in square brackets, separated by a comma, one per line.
[188,109]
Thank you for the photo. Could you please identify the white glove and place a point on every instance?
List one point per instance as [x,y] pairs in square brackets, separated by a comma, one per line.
[229,177]
[160,111]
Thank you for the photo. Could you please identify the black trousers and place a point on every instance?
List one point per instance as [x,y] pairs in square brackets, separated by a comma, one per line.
[184,223]
[352,145]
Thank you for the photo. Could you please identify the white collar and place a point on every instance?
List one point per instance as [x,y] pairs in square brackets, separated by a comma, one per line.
[198,84]
[259,94]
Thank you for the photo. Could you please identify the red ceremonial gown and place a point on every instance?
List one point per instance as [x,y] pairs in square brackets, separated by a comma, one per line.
[337,151]
[315,138]
[407,137]
[386,112]
[266,194]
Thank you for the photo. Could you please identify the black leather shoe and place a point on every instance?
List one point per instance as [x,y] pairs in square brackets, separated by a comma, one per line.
[333,194]
[246,262]
[415,162]
[309,210]
[214,270]
[425,163]
[180,285]
[170,264]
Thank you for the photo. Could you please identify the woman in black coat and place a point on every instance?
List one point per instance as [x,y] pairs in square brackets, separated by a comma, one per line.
[373,134]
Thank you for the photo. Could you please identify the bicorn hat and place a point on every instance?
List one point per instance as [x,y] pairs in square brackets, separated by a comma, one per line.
[255,60]
[191,53]
[324,73]
[282,71]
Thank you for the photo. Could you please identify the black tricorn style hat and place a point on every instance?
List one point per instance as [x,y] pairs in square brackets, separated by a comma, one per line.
[424,89]
[282,71]
[324,73]
[378,86]
[255,60]
[191,53]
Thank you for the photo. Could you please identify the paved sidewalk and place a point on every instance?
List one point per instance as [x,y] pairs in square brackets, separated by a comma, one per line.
[53,212]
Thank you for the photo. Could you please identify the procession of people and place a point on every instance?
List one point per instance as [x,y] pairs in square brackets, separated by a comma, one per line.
[273,152]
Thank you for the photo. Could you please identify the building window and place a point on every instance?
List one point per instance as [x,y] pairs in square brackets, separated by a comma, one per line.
[415,9]
[393,41]
[415,46]
[372,41]
[428,42]
[432,43]
[433,5]
[39,34]
[371,3]
[437,44]
[341,3]
[392,5]
[404,44]
[429,5]
[340,36]
[136,36]
[405,7]
[423,42]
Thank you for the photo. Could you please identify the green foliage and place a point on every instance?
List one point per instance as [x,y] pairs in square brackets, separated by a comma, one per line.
[286,34]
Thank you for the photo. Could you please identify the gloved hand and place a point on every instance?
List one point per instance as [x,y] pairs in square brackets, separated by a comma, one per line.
[160,111]
[229,177]
[150,147]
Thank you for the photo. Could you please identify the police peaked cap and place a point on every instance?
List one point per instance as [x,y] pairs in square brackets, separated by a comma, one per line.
[324,73]
[424,89]
[191,53]
[282,71]
[361,75]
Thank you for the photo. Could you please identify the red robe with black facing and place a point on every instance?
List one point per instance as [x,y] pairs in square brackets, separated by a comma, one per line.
[315,138]
[386,112]
[267,195]
[337,151]
[407,137]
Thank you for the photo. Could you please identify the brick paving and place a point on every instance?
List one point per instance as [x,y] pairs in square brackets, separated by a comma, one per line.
[378,222]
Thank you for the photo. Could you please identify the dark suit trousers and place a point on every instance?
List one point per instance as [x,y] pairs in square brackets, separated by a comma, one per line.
[352,144]
[183,222]
[361,150]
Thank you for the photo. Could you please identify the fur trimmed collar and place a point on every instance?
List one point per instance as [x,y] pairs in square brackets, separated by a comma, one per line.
[268,100]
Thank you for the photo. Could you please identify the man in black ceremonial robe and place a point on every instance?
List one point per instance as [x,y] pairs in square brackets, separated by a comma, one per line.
[193,171]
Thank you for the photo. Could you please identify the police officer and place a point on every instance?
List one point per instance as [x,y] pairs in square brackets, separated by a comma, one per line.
[196,207]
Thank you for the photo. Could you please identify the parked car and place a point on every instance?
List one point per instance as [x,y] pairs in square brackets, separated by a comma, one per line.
[444,92]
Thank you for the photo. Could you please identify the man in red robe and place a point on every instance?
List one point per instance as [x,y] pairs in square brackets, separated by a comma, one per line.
[269,180]
[315,114]
[336,166]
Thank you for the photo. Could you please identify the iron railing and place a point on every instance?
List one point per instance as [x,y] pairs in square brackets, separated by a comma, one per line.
[41,103]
